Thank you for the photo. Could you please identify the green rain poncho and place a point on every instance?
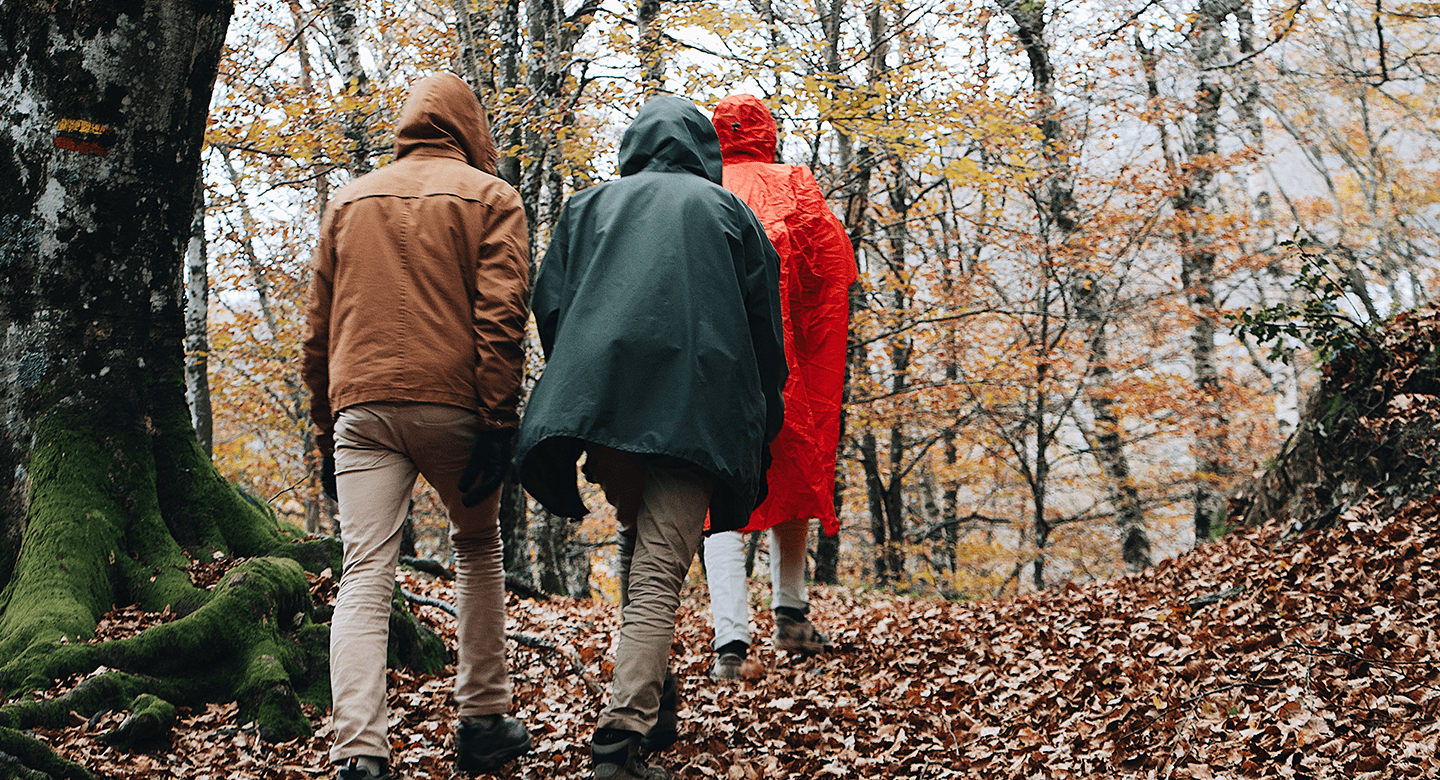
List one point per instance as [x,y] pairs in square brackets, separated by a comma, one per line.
[658,309]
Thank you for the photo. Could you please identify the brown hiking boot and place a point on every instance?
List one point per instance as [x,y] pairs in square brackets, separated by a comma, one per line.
[798,635]
[621,761]
[488,742]
[727,667]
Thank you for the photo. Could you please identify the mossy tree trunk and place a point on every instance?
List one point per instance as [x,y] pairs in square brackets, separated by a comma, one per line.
[108,497]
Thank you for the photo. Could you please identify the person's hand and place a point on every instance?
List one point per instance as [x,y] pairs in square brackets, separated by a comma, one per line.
[327,476]
[489,461]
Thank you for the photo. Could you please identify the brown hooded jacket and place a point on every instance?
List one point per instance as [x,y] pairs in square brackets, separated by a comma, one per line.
[420,280]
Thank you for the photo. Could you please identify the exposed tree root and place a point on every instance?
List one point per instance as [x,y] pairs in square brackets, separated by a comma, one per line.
[247,639]
[22,756]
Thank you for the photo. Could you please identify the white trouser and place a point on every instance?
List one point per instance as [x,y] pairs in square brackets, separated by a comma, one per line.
[725,574]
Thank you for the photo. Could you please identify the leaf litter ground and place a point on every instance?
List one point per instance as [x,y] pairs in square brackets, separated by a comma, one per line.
[1259,655]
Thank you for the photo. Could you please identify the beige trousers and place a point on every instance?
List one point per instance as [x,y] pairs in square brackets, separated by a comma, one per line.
[660,505]
[379,450]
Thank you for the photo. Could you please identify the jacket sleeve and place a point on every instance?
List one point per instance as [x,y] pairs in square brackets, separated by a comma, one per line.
[315,341]
[502,287]
[762,310]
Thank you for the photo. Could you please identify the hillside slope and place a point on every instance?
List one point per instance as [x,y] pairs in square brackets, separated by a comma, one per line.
[1301,645]
[1255,656]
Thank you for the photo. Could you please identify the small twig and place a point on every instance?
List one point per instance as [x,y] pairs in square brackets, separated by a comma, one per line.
[429,566]
[541,643]
[298,482]
[416,598]
[527,640]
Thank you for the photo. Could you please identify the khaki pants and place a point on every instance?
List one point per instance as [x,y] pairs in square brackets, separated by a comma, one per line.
[660,505]
[379,450]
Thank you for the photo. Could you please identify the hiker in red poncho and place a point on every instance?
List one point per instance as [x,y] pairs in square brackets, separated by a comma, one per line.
[817,266]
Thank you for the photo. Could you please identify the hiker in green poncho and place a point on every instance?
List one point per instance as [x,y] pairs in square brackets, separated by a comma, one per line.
[659,312]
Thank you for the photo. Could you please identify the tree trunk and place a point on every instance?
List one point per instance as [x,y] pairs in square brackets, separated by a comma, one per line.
[827,548]
[357,84]
[552,36]
[562,566]
[652,50]
[875,492]
[105,479]
[1109,441]
[1060,222]
[1197,271]
[197,340]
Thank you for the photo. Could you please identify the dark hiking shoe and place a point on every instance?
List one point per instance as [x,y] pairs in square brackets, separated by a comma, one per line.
[798,635]
[667,724]
[487,743]
[363,768]
[621,761]
[727,666]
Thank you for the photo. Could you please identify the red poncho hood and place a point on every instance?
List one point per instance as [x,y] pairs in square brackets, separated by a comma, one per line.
[817,267]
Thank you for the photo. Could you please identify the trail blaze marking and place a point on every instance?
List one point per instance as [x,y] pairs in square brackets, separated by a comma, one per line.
[85,137]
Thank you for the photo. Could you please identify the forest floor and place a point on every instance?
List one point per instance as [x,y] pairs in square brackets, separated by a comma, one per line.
[1257,655]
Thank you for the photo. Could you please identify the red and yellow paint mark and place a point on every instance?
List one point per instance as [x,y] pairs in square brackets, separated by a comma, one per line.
[79,135]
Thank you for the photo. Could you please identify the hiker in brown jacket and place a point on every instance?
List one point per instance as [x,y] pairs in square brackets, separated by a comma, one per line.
[412,357]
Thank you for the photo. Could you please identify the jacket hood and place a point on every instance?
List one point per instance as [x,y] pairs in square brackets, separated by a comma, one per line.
[442,113]
[670,134]
[746,129]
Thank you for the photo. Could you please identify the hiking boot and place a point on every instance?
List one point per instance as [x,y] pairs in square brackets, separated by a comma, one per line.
[488,742]
[667,723]
[729,659]
[621,760]
[727,666]
[798,635]
[363,768]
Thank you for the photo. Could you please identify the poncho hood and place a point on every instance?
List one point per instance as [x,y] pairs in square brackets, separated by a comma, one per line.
[746,129]
[443,116]
[671,135]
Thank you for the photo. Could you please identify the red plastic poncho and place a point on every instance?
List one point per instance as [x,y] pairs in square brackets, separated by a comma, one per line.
[817,266]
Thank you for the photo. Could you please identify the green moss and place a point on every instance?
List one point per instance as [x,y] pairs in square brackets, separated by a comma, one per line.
[36,757]
[74,533]
[102,692]
[150,719]
[315,553]
[266,695]
[202,511]
[412,644]
[313,687]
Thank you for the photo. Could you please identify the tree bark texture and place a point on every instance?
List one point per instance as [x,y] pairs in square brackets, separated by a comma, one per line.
[827,548]
[1197,267]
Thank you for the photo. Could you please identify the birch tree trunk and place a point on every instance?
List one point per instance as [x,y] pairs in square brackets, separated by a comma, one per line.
[320,510]
[1197,265]
[197,339]
[357,85]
